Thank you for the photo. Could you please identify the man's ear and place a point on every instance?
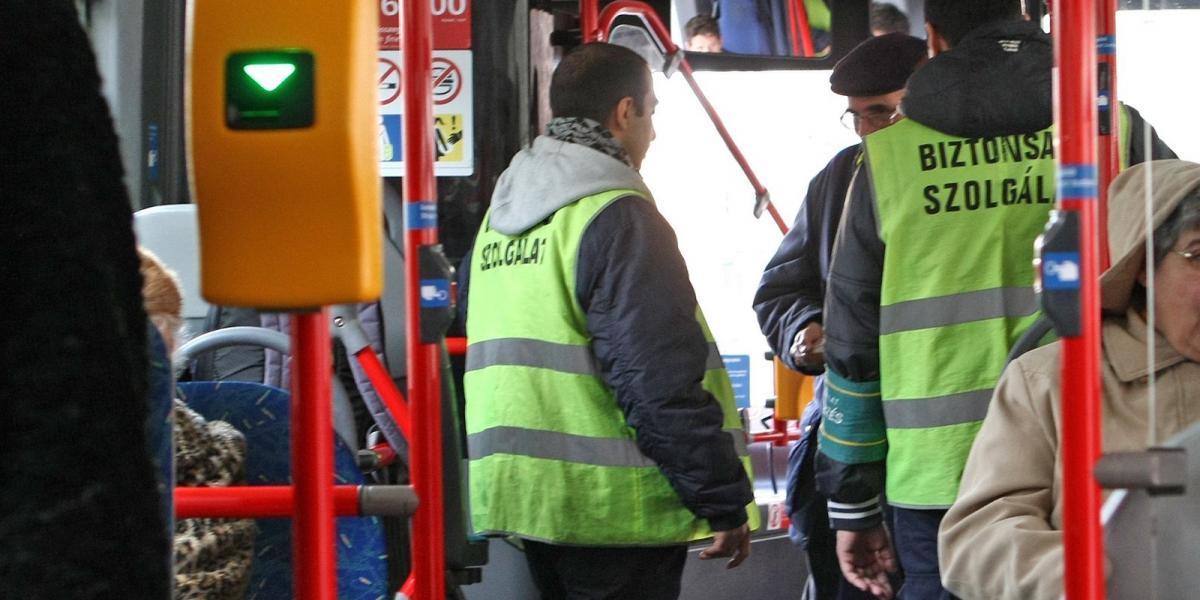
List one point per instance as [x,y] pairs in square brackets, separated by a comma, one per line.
[935,41]
[618,120]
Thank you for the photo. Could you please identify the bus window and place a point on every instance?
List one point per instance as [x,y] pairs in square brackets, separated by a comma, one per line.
[1149,44]
[786,123]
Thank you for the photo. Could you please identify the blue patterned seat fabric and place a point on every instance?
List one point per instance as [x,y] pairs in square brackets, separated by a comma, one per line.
[261,413]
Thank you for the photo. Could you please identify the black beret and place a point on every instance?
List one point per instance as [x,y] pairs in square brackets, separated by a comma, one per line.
[878,66]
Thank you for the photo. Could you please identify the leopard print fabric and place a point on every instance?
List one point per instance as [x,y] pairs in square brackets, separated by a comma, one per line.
[212,556]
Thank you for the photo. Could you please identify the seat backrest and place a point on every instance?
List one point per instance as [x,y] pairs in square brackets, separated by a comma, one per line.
[171,233]
[1150,540]
[261,412]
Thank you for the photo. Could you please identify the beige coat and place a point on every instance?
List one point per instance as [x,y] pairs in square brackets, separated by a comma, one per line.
[1001,538]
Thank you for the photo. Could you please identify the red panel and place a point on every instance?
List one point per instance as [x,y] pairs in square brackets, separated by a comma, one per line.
[451,24]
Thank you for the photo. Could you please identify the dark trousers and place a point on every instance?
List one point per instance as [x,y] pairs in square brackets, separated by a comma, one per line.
[915,539]
[606,573]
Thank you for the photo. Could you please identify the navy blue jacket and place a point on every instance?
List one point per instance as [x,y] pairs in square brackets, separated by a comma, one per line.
[792,289]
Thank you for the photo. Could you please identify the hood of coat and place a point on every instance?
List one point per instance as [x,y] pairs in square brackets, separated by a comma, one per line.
[996,81]
[1125,347]
[551,174]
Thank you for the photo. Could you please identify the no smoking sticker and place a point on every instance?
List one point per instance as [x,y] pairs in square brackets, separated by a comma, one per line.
[447,81]
[389,81]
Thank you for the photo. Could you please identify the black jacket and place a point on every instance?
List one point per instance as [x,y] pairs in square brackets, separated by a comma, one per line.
[980,88]
[791,292]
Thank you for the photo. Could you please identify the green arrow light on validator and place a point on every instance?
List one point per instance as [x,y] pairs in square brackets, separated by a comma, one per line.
[269,76]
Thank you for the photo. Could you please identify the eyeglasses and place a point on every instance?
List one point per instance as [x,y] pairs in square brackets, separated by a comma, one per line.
[875,118]
[1192,257]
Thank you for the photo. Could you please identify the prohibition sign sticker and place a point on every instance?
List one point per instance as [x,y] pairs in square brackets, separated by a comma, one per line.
[447,81]
[389,81]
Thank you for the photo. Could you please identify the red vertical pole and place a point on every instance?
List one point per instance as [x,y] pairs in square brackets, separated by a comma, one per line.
[424,360]
[794,27]
[313,550]
[1110,132]
[806,42]
[589,19]
[1083,544]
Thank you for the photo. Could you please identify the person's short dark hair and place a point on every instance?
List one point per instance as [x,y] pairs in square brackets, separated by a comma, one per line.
[593,78]
[954,19]
[701,25]
[886,18]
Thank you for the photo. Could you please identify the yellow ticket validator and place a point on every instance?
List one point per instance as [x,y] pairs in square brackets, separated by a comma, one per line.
[282,125]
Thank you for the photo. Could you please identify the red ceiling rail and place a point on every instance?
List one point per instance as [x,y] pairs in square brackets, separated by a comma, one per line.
[658,30]
[424,359]
[1083,543]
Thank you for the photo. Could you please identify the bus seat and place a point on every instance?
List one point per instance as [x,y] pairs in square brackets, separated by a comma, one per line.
[261,412]
[279,343]
[1151,541]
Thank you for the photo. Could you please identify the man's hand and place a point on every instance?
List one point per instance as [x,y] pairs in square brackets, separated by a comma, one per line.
[731,542]
[866,558]
[808,349]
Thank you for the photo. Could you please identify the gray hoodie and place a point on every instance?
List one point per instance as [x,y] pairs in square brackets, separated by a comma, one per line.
[551,174]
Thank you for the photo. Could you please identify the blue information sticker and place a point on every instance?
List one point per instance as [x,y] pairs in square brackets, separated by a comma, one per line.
[421,215]
[435,293]
[1077,182]
[1061,270]
[738,367]
[1106,45]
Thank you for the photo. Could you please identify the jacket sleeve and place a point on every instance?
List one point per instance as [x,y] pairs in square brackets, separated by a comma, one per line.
[852,439]
[641,311]
[792,289]
[1137,140]
[997,540]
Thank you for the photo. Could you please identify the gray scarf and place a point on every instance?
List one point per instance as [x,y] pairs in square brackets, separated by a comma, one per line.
[586,132]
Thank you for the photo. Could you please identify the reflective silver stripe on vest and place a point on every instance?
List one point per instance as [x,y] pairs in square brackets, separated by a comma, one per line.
[567,358]
[957,308]
[554,445]
[965,407]
[524,352]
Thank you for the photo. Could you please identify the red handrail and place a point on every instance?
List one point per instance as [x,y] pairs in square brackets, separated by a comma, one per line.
[424,359]
[313,546]
[641,9]
[254,502]
[1083,544]
[382,382]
